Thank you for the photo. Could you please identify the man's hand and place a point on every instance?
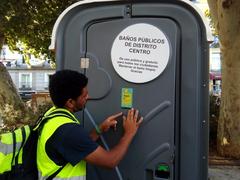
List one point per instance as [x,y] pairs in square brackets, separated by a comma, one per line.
[111,121]
[131,122]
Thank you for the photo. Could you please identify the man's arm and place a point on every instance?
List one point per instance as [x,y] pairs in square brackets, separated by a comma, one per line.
[111,158]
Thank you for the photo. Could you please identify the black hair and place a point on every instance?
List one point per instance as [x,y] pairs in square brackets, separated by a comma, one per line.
[66,84]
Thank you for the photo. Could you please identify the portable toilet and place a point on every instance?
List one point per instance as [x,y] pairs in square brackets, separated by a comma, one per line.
[150,55]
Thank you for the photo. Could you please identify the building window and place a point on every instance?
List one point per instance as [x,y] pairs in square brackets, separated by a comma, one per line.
[25,81]
[215,62]
[46,80]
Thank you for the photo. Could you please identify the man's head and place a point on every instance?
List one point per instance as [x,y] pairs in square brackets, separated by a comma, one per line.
[68,89]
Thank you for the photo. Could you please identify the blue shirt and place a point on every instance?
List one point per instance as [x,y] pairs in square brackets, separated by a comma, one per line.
[70,143]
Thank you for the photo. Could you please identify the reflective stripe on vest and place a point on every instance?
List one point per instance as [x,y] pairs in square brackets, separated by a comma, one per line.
[6,147]
[46,166]
[6,141]
[57,178]
[73,178]
[67,173]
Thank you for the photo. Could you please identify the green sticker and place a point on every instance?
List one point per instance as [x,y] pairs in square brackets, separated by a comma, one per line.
[127,98]
[163,167]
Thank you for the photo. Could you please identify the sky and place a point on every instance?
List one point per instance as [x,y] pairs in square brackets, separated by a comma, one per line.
[5,52]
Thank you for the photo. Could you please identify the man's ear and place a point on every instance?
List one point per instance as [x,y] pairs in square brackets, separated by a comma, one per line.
[69,104]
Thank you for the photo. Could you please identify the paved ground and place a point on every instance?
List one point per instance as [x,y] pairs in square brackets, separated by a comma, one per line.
[224,172]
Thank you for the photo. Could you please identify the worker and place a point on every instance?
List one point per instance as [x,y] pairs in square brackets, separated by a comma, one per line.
[64,147]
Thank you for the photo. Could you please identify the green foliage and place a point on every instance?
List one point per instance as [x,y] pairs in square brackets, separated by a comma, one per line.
[212,25]
[30,22]
[213,29]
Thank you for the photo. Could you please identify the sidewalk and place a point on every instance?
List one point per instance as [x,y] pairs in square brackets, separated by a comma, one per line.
[221,168]
[219,172]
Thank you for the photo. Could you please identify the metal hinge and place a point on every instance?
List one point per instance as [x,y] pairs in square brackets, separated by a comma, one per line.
[84,63]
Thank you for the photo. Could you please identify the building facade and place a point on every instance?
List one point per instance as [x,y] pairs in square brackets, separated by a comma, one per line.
[29,81]
[31,78]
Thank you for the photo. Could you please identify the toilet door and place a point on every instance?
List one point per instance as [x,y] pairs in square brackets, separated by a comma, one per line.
[133,63]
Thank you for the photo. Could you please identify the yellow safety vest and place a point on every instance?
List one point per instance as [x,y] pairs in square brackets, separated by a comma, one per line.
[7,147]
[46,166]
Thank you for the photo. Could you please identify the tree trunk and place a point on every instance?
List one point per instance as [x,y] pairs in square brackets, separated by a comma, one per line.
[1,39]
[13,111]
[226,16]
